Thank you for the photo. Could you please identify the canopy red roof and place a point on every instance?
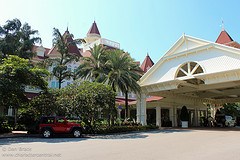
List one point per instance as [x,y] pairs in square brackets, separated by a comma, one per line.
[132,102]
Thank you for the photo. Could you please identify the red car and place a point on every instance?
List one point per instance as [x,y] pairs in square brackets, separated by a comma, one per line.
[58,125]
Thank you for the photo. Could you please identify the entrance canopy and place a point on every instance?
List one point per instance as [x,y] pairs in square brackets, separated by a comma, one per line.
[196,69]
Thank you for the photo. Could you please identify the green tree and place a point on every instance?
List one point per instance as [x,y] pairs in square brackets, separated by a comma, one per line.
[15,74]
[123,73]
[62,44]
[232,109]
[91,101]
[17,39]
[93,68]
[113,67]
[45,103]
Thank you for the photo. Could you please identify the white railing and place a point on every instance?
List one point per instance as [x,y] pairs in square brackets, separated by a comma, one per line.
[110,43]
[31,89]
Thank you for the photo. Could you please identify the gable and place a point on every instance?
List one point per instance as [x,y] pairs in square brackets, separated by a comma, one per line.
[186,43]
[212,58]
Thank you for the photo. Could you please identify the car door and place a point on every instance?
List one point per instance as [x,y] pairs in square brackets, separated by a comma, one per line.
[60,125]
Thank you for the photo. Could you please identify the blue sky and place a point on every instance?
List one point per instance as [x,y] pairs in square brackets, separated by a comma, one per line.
[140,26]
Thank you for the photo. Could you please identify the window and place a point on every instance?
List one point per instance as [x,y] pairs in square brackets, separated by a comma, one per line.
[60,120]
[75,69]
[53,84]
[47,120]
[189,69]
[69,68]
[57,85]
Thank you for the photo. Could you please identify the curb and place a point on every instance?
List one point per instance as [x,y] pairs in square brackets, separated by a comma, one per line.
[10,135]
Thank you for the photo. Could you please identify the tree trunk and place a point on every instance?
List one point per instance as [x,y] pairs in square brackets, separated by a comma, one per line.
[126,105]
[59,83]
[15,116]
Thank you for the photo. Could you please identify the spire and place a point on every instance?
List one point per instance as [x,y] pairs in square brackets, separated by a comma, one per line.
[94,29]
[222,26]
[224,37]
[147,63]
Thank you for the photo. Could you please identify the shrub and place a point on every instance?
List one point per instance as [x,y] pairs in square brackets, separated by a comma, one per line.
[5,127]
[121,129]
[28,120]
[184,116]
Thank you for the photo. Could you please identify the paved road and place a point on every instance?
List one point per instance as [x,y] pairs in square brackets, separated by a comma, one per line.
[154,145]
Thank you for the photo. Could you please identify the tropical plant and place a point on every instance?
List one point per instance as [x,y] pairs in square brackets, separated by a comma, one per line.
[62,44]
[123,73]
[184,115]
[91,101]
[15,74]
[17,39]
[232,109]
[93,67]
[113,67]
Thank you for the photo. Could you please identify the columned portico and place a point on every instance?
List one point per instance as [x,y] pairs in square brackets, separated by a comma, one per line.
[190,75]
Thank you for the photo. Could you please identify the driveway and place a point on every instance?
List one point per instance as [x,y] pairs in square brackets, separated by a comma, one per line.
[173,144]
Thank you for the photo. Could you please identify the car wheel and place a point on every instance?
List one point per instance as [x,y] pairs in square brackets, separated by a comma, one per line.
[77,133]
[47,133]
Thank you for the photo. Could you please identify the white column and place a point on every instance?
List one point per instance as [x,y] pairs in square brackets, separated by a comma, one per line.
[196,117]
[158,117]
[119,113]
[174,122]
[10,111]
[171,116]
[138,108]
[141,109]
[143,115]
[213,110]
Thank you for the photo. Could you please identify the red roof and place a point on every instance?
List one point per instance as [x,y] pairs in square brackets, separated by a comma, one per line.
[147,64]
[224,37]
[233,44]
[30,95]
[72,48]
[86,54]
[153,98]
[132,102]
[94,29]
[120,100]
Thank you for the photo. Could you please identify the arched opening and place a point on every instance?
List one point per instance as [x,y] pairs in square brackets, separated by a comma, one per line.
[189,69]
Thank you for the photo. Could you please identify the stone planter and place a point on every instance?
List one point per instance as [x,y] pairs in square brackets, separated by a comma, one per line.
[184,124]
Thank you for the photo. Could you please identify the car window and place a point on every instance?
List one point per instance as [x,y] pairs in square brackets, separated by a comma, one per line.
[48,120]
[60,120]
[228,118]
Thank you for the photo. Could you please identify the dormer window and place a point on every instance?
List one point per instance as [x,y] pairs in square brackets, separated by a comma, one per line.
[40,51]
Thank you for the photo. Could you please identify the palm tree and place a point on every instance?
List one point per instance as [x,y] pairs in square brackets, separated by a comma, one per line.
[63,43]
[123,74]
[17,39]
[113,67]
[93,67]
